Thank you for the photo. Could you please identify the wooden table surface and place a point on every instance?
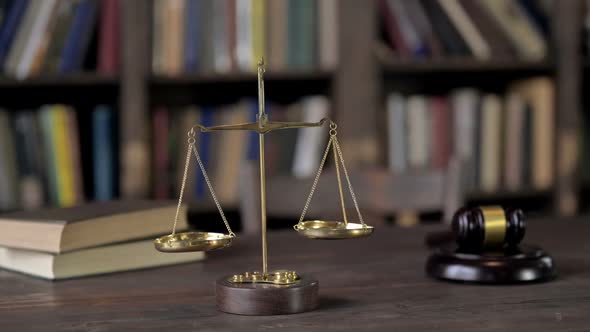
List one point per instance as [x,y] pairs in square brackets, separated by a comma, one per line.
[377,283]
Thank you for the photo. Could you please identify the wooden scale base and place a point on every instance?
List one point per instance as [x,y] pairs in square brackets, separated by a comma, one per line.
[258,298]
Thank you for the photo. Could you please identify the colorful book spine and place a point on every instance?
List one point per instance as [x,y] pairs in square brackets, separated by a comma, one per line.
[103,155]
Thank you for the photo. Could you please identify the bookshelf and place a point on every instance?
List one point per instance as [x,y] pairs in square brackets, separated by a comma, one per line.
[356,86]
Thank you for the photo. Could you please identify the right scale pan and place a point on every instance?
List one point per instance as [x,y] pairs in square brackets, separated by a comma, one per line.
[332,230]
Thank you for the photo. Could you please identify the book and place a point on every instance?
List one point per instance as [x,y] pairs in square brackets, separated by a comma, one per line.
[539,93]
[277,37]
[29,160]
[513,146]
[232,144]
[86,262]
[259,26]
[108,49]
[64,14]
[416,45]
[78,37]
[465,103]
[424,27]
[158,45]
[309,146]
[397,135]
[441,131]
[511,17]
[470,33]
[498,41]
[452,41]
[221,55]
[10,25]
[22,36]
[9,192]
[64,158]
[58,230]
[35,39]
[418,131]
[174,37]
[160,153]
[302,34]
[206,42]
[244,51]
[490,147]
[103,157]
[49,153]
[328,36]
[392,28]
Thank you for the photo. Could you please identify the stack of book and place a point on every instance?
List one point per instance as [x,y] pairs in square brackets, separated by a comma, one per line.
[231,35]
[483,29]
[295,152]
[56,156]
[89,239]
[506,141]
[55,36]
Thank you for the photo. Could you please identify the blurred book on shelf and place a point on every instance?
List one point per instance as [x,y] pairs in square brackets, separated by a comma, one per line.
[45,152]
[482,29]
[206,36]
[59,37]
[88,239]
[293,152]
[505,140]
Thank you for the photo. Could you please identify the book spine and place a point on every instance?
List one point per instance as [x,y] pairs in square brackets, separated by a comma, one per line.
[108,50]
[10,27]
[78,37]
[103,156]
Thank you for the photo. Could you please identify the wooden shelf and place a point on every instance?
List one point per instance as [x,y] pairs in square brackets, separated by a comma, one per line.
[80,79]
[239,77]
[464,65]
[525,193]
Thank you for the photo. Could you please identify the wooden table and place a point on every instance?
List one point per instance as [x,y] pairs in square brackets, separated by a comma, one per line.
[377,283]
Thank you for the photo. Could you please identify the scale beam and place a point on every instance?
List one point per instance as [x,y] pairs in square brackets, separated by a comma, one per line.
[268,126]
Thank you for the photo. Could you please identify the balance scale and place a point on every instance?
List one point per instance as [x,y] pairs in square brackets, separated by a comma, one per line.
[266,292]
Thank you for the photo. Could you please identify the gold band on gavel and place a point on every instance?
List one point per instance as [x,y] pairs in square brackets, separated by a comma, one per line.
[495,225]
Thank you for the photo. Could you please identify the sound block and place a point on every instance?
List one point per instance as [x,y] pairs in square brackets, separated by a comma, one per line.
[267,299]
[512,265]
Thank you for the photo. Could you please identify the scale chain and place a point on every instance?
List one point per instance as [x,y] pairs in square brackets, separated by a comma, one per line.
[182,185]
[315,181]
[232,234]
[356,206]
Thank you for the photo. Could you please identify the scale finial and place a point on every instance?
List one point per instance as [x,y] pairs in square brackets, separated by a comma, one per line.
[261,111]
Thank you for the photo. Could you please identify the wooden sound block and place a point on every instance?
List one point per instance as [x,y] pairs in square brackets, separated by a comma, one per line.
[267,299]
[517,265]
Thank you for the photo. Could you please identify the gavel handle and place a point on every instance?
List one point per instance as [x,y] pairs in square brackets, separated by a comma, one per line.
[437,239]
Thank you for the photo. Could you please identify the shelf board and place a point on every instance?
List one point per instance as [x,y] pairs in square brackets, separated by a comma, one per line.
[503,194]
[463,65]
[70,80]
[238,77]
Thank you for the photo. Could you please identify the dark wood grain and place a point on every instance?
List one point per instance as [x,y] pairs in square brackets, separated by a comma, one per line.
[376,283]
[265,299]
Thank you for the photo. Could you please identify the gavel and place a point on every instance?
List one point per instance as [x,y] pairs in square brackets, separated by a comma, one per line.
[483,228]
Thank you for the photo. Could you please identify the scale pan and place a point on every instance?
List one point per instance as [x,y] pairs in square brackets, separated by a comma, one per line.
[192,241]
[328,230]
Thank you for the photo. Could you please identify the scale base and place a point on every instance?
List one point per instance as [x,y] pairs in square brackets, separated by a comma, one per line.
[265,299]
[517,265]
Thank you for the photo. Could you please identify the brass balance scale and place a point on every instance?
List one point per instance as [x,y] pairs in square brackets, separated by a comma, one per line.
[264,292]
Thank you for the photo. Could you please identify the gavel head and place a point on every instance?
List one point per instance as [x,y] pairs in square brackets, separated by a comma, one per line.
[488,227]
